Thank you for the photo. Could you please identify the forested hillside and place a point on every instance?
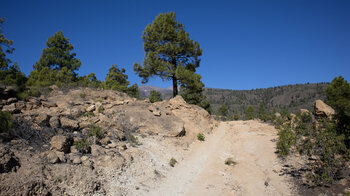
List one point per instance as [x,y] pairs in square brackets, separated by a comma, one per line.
[290,97]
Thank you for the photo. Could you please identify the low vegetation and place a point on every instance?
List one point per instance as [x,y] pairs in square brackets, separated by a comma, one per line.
[200,137]
[96,131]
[324,140]
[172,162]
[82,146]
[5,122]
[155,96]
[229,161]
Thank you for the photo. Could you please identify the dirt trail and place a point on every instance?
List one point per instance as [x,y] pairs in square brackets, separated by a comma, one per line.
[203,171]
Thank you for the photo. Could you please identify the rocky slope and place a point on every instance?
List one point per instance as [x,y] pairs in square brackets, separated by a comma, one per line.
[85,142]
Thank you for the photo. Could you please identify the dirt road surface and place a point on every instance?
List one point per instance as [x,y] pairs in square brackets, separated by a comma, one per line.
[250,144]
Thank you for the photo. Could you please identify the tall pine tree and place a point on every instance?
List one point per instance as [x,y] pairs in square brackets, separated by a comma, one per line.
[168,47]
[57,63]
[58,54]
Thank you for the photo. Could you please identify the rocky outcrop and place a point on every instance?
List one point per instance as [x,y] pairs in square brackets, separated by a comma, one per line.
[73,145]
[323,110]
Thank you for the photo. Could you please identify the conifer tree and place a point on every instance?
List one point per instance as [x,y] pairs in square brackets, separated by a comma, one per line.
[338,97]
[223,111]
[250,113]
[4,42]
[116,79]
[168,47]
[58,54]
[155,96]
[9,74]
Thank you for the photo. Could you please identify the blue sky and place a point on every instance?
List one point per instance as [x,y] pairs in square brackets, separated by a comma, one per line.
[246,44]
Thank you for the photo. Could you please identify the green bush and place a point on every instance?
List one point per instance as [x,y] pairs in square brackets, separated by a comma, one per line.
[236,116]
[250,113]
[101,109]
[200,137]
[172,162]
[5,122]
[155,96]
[82,146]
[229,161]
[82,95]
[223,110]
[321,142]
[88,114]
[338,97]
[286,138]
[96,131]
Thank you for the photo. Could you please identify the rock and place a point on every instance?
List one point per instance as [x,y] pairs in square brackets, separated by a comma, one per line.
[61,143]
[347,190]
[10,108]
[84,124]
[11,100]
[21,105]
[61,156]
[86,161]
[73,149]
[69,123]
[304,111]
[29,106]
[105,141]
[48,104]
[52,157]
[177,102]
[54,122]
[42,119]
[157,113]
[112,145]
[91,108]
[96,150]
[76,160]
[122,146]
[76,112]
[109,161]
[34,101]
[8,161]
[277,114]
[323,110]
[343,182]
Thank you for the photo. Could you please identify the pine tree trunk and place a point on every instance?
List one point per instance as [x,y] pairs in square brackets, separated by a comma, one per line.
[175,91]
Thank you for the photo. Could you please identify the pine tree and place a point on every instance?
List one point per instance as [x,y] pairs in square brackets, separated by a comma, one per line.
[155,96]
[250,113]
[338,97]
[262,113]
[116,79]
[9,74]
[168,47]
[4,62]
[223,111]
[58,54]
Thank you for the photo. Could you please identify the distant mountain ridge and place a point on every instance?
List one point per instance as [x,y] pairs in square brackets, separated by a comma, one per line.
[291,97]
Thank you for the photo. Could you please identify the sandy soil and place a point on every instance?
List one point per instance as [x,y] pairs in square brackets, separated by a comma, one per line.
[201,168]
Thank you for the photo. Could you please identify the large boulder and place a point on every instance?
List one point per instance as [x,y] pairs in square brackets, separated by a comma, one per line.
[323,110]
[61,143]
